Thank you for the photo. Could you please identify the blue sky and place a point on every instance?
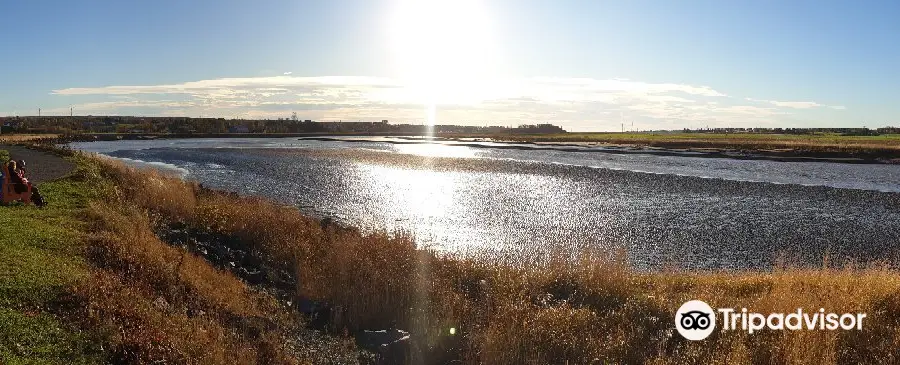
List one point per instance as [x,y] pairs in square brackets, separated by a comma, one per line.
[588,65]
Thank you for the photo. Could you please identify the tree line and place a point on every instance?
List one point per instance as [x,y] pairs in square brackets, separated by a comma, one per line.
[185,125]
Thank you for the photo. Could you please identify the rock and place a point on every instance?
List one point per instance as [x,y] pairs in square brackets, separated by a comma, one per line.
[252,277]
[318,314]
[392,346]
[192,312]
[326,222]
[161,304]
[222,252]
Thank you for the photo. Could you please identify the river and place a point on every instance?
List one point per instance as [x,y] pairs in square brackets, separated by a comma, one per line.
[662,211]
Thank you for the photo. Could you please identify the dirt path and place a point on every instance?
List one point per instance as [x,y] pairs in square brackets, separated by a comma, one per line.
[41,166]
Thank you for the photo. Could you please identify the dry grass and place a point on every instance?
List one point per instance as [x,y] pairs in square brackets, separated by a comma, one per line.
[593,309]
[19,138]
[153,302]
[887,145]
[870,290]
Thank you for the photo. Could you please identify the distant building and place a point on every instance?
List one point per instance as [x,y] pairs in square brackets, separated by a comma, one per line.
[239,129]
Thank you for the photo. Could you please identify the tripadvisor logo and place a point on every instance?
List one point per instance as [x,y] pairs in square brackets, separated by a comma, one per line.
[696,320]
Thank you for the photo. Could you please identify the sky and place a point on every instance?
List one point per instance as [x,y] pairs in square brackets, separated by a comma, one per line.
[592,65]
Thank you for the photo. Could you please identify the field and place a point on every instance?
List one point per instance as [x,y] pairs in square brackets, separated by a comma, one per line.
[97,277]
[883,145]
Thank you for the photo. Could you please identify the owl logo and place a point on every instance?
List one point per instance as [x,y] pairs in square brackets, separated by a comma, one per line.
[695,320]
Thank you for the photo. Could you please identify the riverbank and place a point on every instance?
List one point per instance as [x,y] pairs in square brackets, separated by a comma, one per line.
[825,147]
[89,137]
[775,147]
[129,265]
[699,149]
[85,280]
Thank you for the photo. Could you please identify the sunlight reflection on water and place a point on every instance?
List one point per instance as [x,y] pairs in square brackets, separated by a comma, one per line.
[533,207]
[436,150]
[421,201]
[422,193]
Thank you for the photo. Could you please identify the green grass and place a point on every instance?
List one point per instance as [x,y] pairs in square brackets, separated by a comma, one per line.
[81,278]
[39,259]
[723,135]
[887,145]
[29,338]
[825,137]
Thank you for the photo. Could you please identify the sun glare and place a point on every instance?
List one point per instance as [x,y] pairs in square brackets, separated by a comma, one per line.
[436,150]
[442,49]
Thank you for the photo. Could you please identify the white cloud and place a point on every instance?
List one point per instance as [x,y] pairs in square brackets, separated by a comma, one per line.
[114,107]
[796,104]
[749,110]
[288,73]
[576,103]
[244,83]
[623,85]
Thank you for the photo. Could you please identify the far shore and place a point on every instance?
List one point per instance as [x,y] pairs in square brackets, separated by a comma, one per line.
[783,155]
[883,149]
[784,147]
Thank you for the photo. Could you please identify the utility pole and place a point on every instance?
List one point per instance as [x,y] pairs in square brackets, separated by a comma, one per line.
[71,111]
[39,111]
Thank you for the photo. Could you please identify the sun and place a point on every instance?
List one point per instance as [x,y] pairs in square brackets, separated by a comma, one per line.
[442,49]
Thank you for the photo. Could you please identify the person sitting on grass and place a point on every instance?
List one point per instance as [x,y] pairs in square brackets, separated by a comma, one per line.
[20,182]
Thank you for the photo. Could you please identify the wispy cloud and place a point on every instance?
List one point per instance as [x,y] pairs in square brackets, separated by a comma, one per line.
[796,104]
[288,73]
[576,103]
